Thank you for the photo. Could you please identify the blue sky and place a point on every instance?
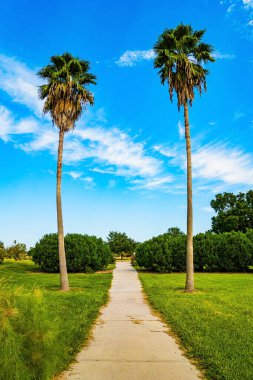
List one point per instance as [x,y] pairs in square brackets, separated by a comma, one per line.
[124,165]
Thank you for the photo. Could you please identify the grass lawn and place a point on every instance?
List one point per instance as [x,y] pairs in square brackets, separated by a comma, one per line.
[41,328]
[215,324]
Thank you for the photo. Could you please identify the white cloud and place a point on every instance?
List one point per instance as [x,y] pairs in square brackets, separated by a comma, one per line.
[248,3]
[114,147]
[130,58]
[241,12]
[74,175]
[215,164]
[181,130]
[219,55]
[44,140]
[153,183]
[21,83]
[165,151]
[10,127]
[219,162]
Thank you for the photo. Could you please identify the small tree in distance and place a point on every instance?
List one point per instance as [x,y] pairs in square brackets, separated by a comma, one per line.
[175,231]
[120,244]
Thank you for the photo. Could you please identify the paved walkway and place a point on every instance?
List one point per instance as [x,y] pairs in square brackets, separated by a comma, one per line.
[129,343]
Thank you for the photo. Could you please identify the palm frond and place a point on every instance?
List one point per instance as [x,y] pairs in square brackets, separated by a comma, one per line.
[180,57]
[65,91]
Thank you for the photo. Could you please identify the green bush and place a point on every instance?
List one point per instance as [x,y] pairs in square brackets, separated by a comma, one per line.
[178,251]
[2,252]
[234,251]
[155,254]
[249,234]
[226,252]
[83,253]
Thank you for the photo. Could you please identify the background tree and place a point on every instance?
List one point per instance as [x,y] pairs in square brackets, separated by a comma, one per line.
[234,212]
[16,251]
[2,252]
[175,231]
[180,56]
[120,244]
[65,96]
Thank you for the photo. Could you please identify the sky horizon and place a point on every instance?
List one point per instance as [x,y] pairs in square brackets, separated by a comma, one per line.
[125,162]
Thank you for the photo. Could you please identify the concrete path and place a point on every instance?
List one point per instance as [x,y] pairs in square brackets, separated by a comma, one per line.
[129,343]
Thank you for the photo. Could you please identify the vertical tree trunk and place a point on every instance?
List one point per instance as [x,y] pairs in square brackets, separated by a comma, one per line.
[189,286]
[61,247]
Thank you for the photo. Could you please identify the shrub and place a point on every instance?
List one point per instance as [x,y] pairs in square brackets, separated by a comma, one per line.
[249,234]
[234,251]
[226,252]
[83,253]
[178,251]
[155,254]
[2,252]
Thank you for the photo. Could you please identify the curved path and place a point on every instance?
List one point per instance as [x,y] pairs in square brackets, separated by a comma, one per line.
[129,342]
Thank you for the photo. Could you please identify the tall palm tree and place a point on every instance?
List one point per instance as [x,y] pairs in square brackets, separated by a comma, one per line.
[180,56]
[65,96]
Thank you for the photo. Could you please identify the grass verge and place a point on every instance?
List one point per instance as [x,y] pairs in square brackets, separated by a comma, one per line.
[214,324]
[41,328]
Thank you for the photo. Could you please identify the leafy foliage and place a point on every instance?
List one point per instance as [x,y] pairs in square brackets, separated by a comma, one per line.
[83,253]
[66,92]
[234,212]
[2,252]
[120,244]
[180,55]
[155,254]
[227,252]
[17,251]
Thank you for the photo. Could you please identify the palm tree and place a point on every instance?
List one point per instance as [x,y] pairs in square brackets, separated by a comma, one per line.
[180,56]
[65,96]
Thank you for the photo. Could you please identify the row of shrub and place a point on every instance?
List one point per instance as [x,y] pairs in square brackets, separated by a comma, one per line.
[83,253]
[226,252]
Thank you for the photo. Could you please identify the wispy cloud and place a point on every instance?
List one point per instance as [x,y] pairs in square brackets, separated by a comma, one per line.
[20,82]
[107,148]
[219,55]
[153,183]
[74,175]
[248,3]
[217,163]
[181,130]
[132,57]
[241,13]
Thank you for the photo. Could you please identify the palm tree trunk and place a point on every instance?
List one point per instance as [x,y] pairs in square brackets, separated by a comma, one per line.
[189,286]
[61,248]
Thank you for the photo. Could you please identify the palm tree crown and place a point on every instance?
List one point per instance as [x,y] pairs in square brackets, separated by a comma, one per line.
[180,56]
[65,93]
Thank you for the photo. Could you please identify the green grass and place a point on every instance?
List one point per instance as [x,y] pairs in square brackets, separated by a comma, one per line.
[41,328]
[215,324]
